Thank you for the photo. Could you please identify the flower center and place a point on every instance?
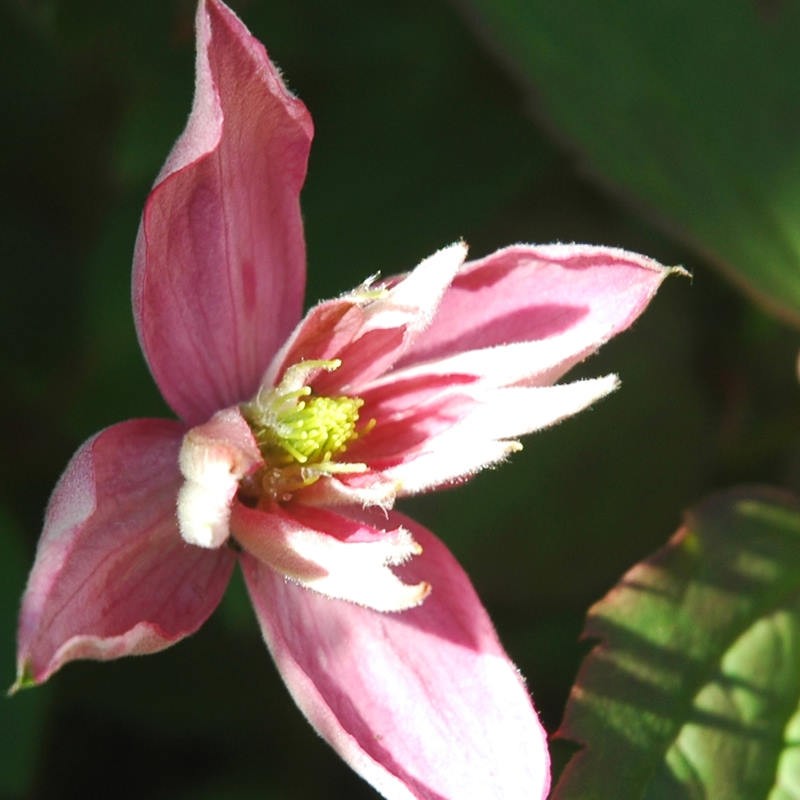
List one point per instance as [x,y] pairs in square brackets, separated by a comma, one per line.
[301,434]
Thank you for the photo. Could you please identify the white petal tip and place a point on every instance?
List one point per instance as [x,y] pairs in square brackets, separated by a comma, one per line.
[402,597]
[413,596]
[202,516]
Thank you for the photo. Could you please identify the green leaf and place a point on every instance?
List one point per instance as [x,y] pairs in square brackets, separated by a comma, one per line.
[690,109]
[693,689]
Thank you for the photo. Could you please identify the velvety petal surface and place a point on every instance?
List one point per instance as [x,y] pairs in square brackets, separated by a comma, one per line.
[424,703]
[565,301]
[219,268]
[112,575]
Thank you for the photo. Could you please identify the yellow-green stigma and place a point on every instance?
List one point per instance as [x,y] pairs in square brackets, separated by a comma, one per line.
[300,434]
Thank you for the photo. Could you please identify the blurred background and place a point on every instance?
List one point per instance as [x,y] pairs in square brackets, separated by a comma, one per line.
[671,131]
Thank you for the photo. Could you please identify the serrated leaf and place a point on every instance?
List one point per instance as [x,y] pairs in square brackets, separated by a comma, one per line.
[691,109]
[693,690]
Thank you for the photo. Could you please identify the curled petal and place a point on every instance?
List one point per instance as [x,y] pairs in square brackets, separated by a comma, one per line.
[423,704]
[569,299]
[331,554]
[214,457]
[112,576]
[219,268]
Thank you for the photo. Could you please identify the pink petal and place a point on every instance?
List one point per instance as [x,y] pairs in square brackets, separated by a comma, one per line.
[422,704]
[112,576]
[408,413]
[568,299]
[394,321]
[435,429]
[486,432]
[320,335]
[331,554]
[369,329]
[219,268]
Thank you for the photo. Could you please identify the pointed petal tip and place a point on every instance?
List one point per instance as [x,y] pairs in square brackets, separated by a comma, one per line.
[457,247]
[25,679]
[677,269]
[606,384]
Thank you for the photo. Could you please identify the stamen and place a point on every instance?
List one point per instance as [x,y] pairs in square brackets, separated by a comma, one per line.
[301,434]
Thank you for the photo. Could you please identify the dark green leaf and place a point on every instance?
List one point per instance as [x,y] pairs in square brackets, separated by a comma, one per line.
[691,109]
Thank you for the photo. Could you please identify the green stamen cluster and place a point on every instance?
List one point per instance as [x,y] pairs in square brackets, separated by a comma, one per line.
[299,433]
[314,430]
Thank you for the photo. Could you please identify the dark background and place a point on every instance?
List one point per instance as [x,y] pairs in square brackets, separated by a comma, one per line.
[423,135]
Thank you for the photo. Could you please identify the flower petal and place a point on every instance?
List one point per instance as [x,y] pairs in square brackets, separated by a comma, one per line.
[214,457]
[435,429]
[513,411]
[331,554]
[422,704]
[567,299]
[219,268]
[352,489]
[487,431]
[112,577]
[369,329]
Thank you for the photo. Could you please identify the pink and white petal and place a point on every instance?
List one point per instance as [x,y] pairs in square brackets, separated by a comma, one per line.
[510,412]
[439,467]
[392,321]
[412,301]
[112,576]
[422,704]
[486,432]
[578,296]
[219,267]
[405,413]
[213,458]
[334,555]
[357,489]
[535,363]
[411,430]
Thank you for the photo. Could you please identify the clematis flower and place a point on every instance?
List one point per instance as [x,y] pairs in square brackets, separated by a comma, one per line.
[295,437]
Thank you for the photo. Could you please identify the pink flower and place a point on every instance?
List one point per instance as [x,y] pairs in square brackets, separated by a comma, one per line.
[295,438]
